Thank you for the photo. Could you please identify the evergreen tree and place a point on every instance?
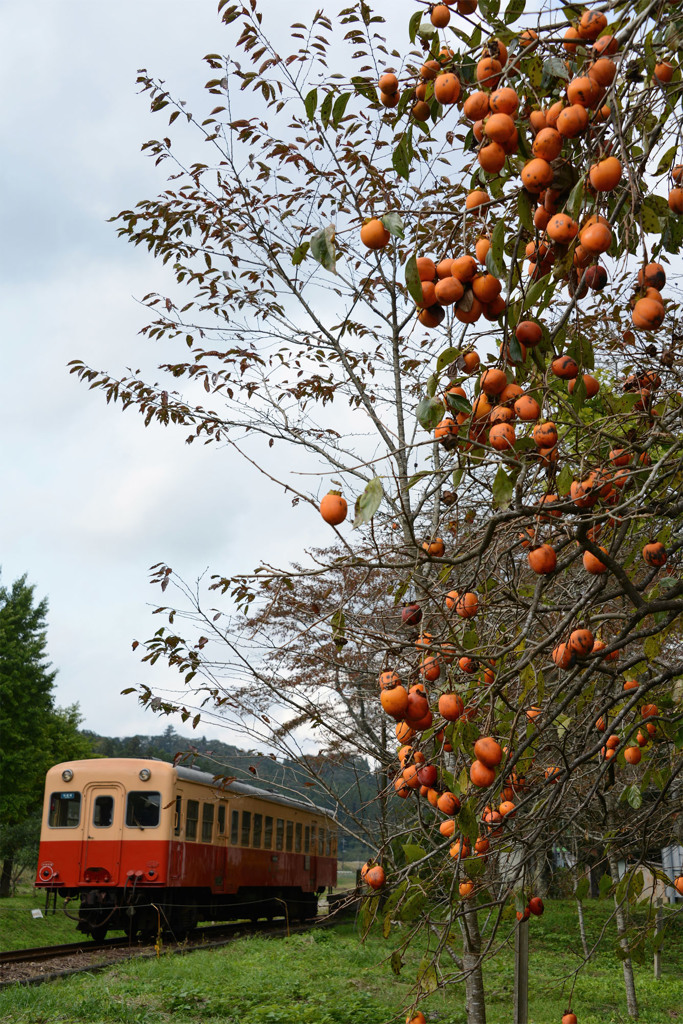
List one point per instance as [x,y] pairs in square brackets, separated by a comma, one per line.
[33,733]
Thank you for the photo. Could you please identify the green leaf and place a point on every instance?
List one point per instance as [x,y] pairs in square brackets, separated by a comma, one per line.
[413,852]
[396,961]
[456,403]
[652,212]
[417,477]
[555,67]
[400,160]
[503,487]
[393,223]
[299,254]
[413,282]
[582,888]
[489,8]
[338,623]
[534,69]
[365,88]
[515,349]
[467,820]
[470,639]
[322,248]
[604,886]
[475,866]
[535,291]
[448,356]
[514,10]
[431,385]
[457,477]
[367,914]
[579,393]
[429,412]
[412,908]
[494,257]
[652,647]
[565,480]
[368,502]
[414,24]
[339,108]
[326,109]
[310,103]
[667,160]
[426,977]
[524,210]
[575,201]
[634,797]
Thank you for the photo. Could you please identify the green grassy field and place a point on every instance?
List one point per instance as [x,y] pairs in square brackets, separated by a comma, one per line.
[329,977]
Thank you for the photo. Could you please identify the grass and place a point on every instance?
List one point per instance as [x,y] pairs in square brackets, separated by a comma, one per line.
[329,977]
[19,930]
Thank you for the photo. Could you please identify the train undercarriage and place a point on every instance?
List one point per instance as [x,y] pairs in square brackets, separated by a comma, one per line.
[147,913]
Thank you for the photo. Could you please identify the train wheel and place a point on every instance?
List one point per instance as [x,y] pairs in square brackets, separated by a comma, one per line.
[99,934]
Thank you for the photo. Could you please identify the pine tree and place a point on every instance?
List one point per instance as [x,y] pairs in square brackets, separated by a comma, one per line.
[33,733]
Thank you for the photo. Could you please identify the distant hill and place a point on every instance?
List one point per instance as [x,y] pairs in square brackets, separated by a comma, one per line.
[352,778]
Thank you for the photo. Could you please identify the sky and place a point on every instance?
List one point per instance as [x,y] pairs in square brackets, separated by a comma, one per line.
[90,499]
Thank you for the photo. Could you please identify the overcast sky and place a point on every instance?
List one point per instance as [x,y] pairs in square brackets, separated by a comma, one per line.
[90,499]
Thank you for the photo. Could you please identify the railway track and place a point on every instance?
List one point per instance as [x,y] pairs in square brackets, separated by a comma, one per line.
[38,953]
[47,963]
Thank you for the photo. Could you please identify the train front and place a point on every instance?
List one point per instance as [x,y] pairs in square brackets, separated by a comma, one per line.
[105,837]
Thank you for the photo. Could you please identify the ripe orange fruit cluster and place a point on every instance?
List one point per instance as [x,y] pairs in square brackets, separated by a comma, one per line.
[648,307]
[458,283]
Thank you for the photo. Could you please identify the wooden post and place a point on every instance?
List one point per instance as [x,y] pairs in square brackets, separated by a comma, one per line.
[521,996]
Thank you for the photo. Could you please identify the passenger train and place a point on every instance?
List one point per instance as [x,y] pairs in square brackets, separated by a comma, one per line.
[144,844]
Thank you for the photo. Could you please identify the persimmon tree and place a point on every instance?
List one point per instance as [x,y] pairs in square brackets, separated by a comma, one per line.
[352,293]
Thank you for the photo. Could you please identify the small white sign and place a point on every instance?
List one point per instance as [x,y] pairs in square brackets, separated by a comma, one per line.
[36,913]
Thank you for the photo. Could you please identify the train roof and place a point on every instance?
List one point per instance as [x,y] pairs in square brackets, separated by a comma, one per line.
[203,778]
[243,789]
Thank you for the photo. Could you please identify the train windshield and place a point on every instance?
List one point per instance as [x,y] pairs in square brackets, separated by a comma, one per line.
[65,810]
[143,809]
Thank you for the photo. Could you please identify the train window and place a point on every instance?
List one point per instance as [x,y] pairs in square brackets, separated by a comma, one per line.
[314,840]
[65,810]
[307,840]
[103,811]
[280,835]
[221,819]
[177,825]
[207,823]
[246,827]
[142,810]
[235,828]
[258,826]
[297,837]
[268,833]
[329,843]
[321,842]
[191,819]
[290,836]
[334,845]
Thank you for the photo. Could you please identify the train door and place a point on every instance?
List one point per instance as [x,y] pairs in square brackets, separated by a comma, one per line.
[102,833]
[177,861]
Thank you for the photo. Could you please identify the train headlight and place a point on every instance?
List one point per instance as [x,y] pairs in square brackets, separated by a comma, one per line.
[145,774]
[67,775]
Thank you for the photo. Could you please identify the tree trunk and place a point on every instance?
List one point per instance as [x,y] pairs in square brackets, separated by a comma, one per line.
[521,994]
[6,877]
[658,950]
[475,997]
[622,928]
[582,929]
